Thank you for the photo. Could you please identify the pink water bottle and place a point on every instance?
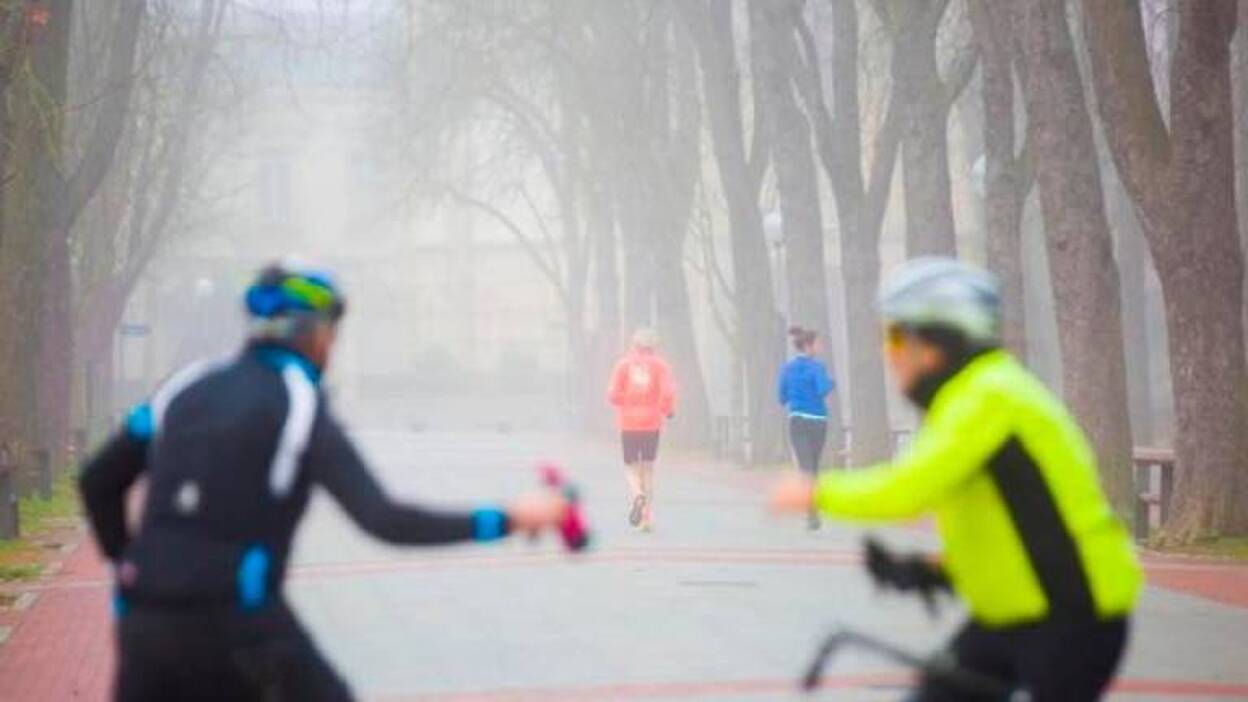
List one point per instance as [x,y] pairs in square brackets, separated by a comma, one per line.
[574,530]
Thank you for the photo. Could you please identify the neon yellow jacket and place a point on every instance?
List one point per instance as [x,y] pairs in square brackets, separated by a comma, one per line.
[1012,481]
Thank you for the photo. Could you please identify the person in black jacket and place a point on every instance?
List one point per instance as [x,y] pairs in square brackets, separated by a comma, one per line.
[231,451]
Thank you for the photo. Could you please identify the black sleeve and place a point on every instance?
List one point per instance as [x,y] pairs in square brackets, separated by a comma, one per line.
[333,462]
[104,482]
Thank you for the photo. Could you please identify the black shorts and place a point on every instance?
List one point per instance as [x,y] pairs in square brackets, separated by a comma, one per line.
[640,446]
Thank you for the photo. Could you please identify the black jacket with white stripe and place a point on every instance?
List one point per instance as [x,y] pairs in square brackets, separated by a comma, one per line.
[230,452]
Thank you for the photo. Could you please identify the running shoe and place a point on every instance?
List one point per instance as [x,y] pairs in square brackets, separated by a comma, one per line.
[639,507]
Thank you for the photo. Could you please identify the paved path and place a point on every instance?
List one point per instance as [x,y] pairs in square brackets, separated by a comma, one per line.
[720,603]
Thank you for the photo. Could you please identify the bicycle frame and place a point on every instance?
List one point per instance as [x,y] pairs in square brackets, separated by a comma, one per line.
[938,667]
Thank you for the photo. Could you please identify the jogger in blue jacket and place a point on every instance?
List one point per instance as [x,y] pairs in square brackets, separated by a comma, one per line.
[804,387]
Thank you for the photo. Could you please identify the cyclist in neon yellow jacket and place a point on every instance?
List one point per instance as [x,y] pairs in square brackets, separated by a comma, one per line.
[1031,544]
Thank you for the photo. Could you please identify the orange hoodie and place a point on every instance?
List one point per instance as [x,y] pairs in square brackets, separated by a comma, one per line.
[642,391]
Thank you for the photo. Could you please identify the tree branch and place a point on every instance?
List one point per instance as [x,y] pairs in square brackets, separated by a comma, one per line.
[102,144]
[531,248]
[887,143]
[960,72]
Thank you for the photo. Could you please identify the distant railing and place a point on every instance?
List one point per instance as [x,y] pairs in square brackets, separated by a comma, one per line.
[1154,487]
[731,435]
[731,438]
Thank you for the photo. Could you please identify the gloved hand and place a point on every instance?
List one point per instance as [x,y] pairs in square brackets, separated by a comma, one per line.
[904,573]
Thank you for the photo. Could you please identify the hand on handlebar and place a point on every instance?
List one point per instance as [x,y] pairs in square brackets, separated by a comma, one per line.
[904,573]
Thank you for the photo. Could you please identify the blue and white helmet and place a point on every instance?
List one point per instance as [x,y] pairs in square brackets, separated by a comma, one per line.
[288,297]
[936,292]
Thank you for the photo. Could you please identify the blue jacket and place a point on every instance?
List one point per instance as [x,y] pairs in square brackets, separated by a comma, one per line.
[804,385]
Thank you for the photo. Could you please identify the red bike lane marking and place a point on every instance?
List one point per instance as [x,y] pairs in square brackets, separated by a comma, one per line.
[652,690]
[890,681]
[1219,582]
[1224,583]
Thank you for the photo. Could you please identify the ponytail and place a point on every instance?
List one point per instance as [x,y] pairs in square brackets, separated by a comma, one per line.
[803,339]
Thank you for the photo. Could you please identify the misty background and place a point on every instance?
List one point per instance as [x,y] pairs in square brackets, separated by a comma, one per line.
[508,188]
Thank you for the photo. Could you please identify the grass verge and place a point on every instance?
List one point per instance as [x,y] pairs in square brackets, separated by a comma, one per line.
[23,558]
[1227,548]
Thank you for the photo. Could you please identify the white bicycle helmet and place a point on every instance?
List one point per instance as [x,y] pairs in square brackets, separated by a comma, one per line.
[936,292]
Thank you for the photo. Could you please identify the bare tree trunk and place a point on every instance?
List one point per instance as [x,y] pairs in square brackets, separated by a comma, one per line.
[693,425]
[789,133]
[607,341]
[672,174]
[925,147]
[1081,260]
[1132,253]
[1239,85]
[638,256]
[1044,353]
[50,65]
[13,372]
[1181,179]
[1007,178]
[759,327]
[860,201]
[63,199]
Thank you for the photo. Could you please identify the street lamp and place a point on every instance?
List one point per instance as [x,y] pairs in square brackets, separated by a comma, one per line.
[773,232]
[204,288]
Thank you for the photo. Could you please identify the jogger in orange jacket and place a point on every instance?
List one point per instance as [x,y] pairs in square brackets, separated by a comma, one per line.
[644,396]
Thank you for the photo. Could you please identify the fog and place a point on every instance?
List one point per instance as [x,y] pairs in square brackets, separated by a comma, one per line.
[507,190]
[521,202]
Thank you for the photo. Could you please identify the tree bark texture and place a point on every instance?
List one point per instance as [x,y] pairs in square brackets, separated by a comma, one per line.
[860,196]
[1007,178]
[1131,252]
[1239,83]
[925,148]
[62,199]
[1080,247]
[1181,178]
[50,66]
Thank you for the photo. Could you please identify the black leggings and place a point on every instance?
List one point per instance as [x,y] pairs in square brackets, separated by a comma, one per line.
[220,653]
[1055,662]
[807,436]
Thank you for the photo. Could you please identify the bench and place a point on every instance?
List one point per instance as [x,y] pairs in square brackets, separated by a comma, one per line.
[1154,487]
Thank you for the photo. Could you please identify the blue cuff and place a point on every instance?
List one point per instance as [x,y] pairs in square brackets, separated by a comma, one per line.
[489,524]
[120,606]
[141,423]
[253,578]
